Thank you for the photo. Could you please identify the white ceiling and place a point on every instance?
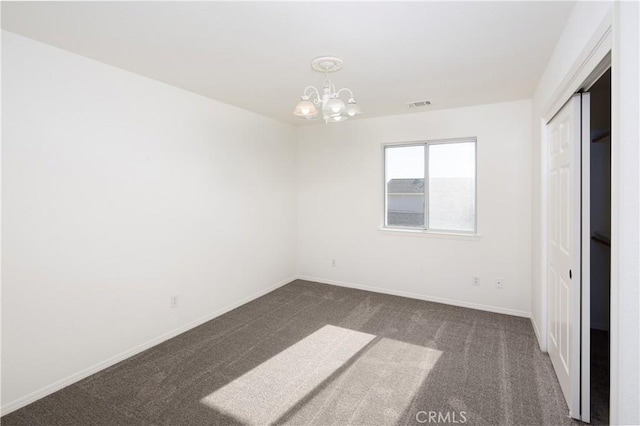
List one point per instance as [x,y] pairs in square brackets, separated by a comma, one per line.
[256,55]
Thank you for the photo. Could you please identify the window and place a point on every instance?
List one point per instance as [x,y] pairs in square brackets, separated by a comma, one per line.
[431,186]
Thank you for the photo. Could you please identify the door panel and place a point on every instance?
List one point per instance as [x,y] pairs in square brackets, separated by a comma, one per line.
[564,324]
[553,308]
[563,239]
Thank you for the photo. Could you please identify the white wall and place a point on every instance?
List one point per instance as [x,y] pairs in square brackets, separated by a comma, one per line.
[625,220]
[340,203]
[118,192]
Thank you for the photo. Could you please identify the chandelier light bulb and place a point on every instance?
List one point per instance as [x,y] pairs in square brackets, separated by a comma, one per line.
[337,118]
[353,108]
[305,108]
[335,105]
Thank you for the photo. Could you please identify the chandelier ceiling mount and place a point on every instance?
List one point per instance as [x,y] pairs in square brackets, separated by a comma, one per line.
[327,64]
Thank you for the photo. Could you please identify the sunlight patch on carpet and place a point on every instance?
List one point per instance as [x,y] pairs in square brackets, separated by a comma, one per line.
[293,384]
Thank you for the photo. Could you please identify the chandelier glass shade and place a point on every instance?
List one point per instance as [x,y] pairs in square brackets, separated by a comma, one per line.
[326,102]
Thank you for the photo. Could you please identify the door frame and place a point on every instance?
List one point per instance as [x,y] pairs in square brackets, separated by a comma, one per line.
[585,260]
[592,62]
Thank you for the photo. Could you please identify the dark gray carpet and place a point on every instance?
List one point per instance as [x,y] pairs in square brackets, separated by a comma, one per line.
[599,377]
[311,353]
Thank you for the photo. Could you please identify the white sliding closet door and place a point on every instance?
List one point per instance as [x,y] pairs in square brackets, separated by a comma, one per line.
[564,249]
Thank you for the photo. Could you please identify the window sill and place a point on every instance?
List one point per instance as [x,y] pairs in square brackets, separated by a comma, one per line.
[430,234]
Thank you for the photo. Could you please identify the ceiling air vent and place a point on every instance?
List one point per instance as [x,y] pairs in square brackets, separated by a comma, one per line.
[418,104]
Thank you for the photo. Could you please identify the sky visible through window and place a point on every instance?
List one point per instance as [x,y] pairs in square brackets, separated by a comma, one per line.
[453,160]
[405,162]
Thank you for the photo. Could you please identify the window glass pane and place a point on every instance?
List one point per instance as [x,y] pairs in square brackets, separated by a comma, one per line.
[452,183]
[404,177]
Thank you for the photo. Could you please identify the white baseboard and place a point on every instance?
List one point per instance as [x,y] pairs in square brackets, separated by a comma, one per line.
[56,386]
[538,335]
[463,304]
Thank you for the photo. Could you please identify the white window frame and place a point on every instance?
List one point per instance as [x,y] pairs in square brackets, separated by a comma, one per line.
[425,229]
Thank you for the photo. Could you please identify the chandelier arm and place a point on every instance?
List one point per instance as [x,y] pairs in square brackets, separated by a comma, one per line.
[313,91]
[346,90]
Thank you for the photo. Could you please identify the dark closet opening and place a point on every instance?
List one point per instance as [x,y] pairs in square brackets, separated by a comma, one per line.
[600,247]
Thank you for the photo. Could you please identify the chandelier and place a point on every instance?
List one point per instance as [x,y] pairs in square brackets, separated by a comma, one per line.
[327,100]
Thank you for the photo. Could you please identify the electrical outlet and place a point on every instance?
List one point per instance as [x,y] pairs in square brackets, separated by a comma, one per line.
[174,301]
[499,282]
[476,281]
[333,263]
